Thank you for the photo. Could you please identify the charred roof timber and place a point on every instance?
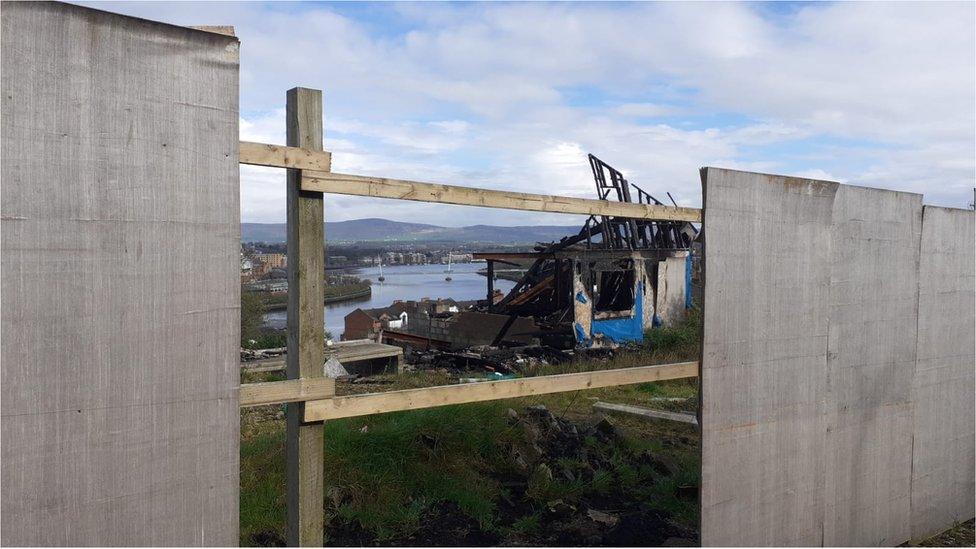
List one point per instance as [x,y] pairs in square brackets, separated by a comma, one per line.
[601,285]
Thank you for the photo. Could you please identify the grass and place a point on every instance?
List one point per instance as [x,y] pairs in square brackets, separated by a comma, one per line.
[387,475]
[385,472]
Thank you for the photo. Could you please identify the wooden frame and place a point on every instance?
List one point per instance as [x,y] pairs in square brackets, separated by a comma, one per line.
[446,395]
[278,156]
[290,390]
[402,189]
[310,396]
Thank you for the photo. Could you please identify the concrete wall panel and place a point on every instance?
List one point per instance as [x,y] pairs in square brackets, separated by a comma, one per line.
[120,239]
[870,363]
[837,377]
[944,454]
[763,369]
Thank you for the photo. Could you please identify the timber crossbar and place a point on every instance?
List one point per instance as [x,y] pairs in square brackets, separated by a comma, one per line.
[430,397]
[317,178]
[289,390]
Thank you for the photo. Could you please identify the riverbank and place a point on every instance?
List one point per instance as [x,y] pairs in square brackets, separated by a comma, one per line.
[333,294]
[403,282]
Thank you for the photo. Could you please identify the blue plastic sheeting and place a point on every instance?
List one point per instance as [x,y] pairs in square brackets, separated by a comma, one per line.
[580,297]
[688,300]
[580,333]
[622,330]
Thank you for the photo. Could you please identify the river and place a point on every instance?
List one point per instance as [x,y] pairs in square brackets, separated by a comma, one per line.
[406,282]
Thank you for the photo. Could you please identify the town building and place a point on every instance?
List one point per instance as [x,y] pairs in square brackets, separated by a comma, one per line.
[273,260]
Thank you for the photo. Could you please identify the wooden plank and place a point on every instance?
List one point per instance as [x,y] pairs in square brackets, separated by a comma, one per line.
[278,156]
[268,367]
[401,189]
[305,444]
[573,253]
[645,412]
[290,390]
[413,399]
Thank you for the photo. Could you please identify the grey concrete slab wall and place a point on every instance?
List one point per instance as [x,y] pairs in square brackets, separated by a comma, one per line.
[944,433]
[814,314]
[764,364]
[870,363]
[120,242]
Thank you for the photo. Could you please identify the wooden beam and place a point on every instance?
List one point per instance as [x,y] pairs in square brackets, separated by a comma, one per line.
[304,442]
[573,253]
[401,189]
[414,399]
[290,390]
[645,412]
[278,156]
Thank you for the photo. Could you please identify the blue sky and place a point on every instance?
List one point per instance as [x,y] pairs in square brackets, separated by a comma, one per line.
[513,96]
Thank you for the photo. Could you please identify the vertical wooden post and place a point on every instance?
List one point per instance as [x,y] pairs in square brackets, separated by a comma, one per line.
[491,284]
[305,446]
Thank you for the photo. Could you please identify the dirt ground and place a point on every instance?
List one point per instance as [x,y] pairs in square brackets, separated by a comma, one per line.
[960,536]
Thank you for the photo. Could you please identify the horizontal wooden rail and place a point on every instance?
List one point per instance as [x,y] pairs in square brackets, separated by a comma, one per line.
[430,397]
[291,390]
[279,156]
[401,189]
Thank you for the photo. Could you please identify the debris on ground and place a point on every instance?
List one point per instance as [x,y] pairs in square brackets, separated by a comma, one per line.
[499,360]
[247,355]
[602,518]
[334,369]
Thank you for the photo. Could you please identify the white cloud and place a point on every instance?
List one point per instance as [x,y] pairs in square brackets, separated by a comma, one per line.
[878,94]
[646,110]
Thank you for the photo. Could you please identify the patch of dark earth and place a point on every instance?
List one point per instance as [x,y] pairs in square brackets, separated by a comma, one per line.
[607,518]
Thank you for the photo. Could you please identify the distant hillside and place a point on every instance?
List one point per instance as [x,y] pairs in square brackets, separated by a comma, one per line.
[384,230]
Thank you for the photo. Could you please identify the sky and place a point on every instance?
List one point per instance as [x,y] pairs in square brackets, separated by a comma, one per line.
[513,96]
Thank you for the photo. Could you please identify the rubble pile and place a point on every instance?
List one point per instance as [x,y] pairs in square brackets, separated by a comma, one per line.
[558,453]
[247,355]
[501,360]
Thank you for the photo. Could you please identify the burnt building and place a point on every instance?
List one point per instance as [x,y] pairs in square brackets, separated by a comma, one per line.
[609,283]
[602,287]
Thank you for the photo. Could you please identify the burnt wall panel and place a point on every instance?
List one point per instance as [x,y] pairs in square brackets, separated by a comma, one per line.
[120,241]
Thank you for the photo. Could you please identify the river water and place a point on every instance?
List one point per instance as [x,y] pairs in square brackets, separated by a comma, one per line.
[406,282]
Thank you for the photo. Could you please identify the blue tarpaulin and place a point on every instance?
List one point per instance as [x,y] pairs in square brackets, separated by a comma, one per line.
[622,330]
